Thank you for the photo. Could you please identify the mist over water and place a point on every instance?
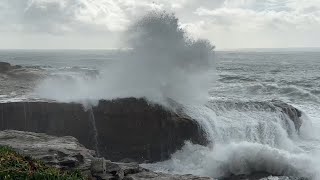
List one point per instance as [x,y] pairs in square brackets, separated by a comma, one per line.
[164,62]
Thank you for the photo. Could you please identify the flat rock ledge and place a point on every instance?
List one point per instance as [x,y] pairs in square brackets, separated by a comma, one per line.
[67,153]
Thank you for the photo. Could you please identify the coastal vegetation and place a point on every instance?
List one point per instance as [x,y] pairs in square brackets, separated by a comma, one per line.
[14,166]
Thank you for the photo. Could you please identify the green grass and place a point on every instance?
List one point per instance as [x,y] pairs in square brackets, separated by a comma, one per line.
[14,166]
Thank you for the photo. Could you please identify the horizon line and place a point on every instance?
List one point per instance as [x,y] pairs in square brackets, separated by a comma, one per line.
[217,49]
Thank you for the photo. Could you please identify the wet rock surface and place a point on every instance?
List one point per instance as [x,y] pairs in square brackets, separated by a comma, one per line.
[288,110]
[293,113]
[128,128]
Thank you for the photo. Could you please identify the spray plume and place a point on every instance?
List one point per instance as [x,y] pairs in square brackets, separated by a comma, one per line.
[163,63]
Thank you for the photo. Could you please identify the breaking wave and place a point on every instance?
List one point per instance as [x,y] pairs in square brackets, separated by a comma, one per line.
[225,160]
[246,138]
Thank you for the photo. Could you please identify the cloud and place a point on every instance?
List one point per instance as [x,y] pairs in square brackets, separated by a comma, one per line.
[227,23]
[61,16]
[253,23]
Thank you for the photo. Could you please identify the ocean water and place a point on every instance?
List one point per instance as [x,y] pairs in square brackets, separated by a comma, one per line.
[246,136]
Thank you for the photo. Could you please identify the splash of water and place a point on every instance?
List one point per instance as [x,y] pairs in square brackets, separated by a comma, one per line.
[237,158]
[94,129]
[245,140]
[164,63]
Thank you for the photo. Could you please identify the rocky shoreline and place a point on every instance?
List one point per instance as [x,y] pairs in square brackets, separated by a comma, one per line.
[68,154]
[128,128]
[126,132]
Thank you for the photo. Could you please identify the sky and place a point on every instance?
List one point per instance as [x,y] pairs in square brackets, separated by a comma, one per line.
[99,24]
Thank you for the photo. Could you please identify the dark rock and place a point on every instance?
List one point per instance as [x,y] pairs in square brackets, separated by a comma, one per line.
[4,67]
[127,128]
[150,131]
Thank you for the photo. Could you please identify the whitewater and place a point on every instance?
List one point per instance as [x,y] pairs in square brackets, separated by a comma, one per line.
[229,93]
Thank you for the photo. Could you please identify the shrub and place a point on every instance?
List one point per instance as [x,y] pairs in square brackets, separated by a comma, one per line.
[14,166]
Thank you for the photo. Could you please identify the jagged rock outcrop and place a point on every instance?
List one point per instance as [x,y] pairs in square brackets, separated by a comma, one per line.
[126,128]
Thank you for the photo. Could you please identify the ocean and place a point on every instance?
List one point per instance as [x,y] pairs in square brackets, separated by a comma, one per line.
[246,136]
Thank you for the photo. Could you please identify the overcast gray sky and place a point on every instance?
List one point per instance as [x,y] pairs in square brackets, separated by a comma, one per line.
[97,24]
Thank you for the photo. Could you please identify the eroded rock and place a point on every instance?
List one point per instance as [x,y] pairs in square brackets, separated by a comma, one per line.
[127,128]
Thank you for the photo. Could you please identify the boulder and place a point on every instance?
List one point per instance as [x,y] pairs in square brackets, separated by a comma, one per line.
[129,128]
